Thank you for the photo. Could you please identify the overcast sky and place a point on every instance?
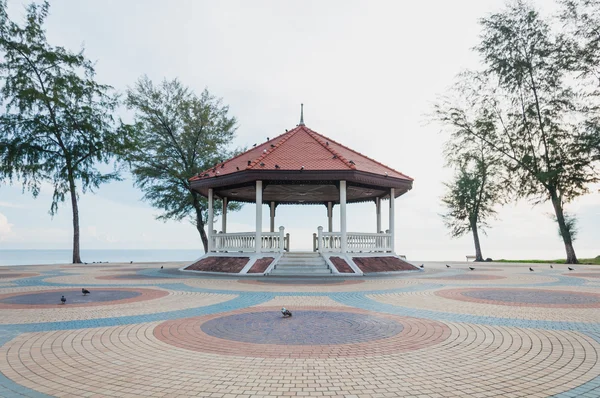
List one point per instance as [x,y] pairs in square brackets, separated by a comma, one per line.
[368,73]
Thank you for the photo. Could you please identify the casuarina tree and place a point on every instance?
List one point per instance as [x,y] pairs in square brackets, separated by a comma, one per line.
[477,186]
[537,110]
[57,121]
[178,135]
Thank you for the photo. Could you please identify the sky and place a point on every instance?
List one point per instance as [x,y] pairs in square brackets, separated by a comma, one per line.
[368,73]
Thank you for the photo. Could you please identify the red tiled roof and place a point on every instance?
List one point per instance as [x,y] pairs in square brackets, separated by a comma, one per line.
[297,148]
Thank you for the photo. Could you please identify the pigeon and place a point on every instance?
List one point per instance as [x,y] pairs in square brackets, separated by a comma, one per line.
[386,174]
[351,162]
[254,145]
[161,267]
[249,162]
[422,266]
[63,299]
[472,269]
[131,262]
[262,164]
[302,168]
[272,145]
[85,291]
[327,143]
[285,312]
[447,266]
[571,268]
[267,138]
[530,269]
[551,266]
[223,165]
[277,166]
[237,168]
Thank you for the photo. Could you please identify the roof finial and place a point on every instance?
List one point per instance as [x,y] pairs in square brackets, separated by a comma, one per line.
[301,115]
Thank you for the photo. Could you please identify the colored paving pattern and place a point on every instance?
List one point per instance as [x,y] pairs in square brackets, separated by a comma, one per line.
[440,332]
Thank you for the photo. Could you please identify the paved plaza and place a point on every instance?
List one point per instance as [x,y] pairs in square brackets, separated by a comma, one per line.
[500,330]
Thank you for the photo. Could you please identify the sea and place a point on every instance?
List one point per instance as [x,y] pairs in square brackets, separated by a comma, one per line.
[30,257]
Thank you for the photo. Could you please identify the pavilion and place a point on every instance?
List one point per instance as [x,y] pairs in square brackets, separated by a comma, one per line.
[301,167]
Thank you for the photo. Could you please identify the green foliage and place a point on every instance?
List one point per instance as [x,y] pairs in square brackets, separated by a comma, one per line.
[475,189]
[533,106]
[58,121]
[178,135]
[570,225]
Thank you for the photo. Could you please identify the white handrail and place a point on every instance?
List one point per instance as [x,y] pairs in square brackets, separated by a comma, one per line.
[356,241]
[245,241]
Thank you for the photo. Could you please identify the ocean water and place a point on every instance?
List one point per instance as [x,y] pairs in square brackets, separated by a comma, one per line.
[28,257]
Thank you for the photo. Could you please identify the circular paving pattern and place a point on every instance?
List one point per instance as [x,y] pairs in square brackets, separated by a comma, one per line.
[15,275]
[51,298]
[302,281]
[308,333]
[129,277]
[585,275]
[468,277]
[524,297]
[303,328]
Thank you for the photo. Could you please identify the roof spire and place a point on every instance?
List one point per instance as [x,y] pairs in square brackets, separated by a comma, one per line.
[301,115]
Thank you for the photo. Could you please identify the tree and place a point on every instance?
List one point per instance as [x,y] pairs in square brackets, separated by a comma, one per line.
[178,135]
[57,123]
[534,111]
[475,190]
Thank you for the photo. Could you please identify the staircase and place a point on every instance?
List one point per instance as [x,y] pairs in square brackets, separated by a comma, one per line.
[301,264]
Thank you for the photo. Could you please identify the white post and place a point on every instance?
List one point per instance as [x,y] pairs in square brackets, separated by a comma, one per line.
[258,243]
[211,215]
[330,216]
[392,229]
[272,216]
[378,213]
[281,239]
[320,239]
[343,216]
[224,216]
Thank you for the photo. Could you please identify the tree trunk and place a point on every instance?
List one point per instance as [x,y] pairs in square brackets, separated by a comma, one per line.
[564,231]
[200,222]
[73,191]
[478,255]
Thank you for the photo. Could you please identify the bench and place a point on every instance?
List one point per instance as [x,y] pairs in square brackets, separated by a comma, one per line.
[471,258]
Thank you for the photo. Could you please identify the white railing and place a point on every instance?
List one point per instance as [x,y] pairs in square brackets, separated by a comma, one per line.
[355,241]
[246,241]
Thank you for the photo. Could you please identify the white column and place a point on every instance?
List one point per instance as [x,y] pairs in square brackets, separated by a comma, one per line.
[258,242]
[330,216]
[320,248]
[343,216]
[281,239]
[272,216]
[224,216]
[392,229]
[378,212]
[211,216]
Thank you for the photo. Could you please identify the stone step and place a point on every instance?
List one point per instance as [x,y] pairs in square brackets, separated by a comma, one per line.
[319,271]
[301,267]
[296,255]
[319,261]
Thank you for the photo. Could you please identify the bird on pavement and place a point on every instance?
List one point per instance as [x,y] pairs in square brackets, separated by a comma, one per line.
[571,269]
[131,262]
[422,266]
[161,267]
[472,269]
[447,266]
[530,269]
[63,299]
[551,266]
[285,312]
[85,291]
